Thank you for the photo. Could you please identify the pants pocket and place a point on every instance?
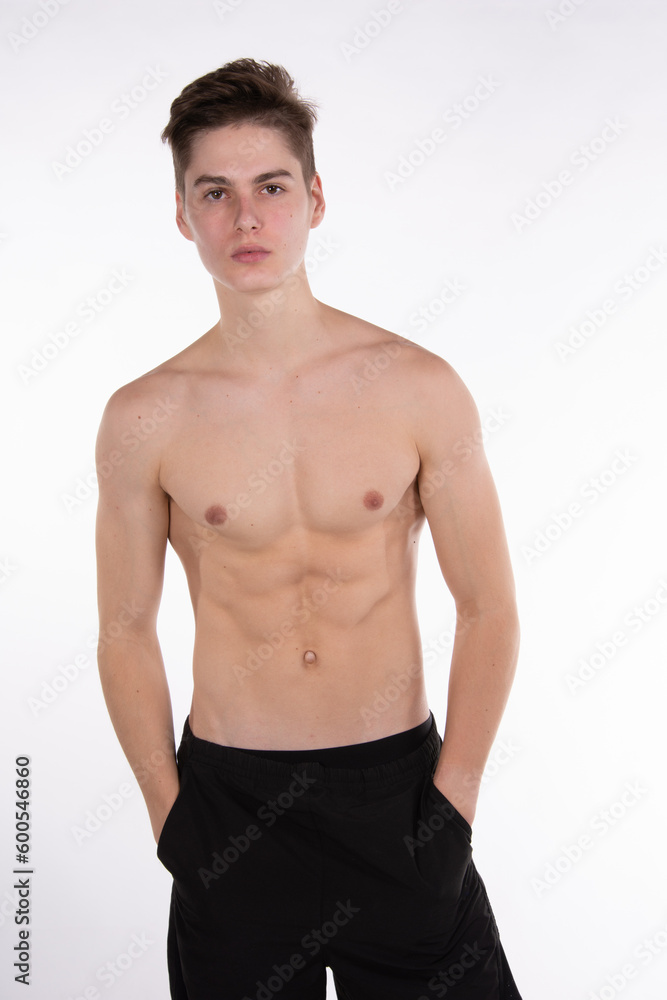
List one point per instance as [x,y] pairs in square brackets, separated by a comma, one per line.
[446,808]
[168,840]
[442,848]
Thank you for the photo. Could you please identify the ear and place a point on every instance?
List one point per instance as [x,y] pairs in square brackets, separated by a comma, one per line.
[319,204]
[181,221]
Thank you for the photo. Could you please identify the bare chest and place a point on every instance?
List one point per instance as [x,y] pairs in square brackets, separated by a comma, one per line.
[254,470]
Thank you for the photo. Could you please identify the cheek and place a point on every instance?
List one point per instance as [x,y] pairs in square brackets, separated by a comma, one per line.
[194,224]
[294,225]
[210,245]
[210,236]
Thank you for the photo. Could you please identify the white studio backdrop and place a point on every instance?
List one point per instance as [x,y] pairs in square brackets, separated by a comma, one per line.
[495,178]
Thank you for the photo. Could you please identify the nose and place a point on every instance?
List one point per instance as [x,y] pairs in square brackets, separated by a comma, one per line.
[246,216]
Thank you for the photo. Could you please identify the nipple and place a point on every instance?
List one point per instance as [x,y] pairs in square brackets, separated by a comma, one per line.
[216,514]
[309,656]
[373,500]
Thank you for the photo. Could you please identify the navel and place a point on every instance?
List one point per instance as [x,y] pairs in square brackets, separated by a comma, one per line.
[373,500]
[216,514]
[309,656]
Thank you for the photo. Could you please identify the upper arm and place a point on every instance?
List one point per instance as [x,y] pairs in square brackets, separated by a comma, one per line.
[458,493]
[132,516]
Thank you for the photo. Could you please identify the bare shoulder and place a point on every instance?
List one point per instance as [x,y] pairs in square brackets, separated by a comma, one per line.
[423,379]
[138,408]
[143,393]
[156,394]
[140,418]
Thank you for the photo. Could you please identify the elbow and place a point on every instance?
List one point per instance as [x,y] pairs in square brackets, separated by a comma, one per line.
[501,608]
[501,617]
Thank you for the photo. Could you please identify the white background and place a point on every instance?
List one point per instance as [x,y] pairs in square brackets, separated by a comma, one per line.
[564,755]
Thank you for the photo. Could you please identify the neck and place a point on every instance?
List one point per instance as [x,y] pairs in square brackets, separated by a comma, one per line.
[275,329]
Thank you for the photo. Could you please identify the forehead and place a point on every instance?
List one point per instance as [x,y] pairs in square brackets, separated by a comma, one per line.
[236,150]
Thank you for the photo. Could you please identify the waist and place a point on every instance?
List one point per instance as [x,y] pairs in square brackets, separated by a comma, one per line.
[369,754]
[417,749]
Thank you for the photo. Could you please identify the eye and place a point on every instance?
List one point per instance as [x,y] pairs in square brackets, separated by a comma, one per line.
[275,188]
[215,195]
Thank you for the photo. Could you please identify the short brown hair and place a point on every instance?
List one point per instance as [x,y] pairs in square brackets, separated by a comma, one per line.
[241,91]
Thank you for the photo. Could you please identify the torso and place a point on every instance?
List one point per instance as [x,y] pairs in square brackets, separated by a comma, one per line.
[294,510]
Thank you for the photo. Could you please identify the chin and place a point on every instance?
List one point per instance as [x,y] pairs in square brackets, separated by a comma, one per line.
[250,283]
[254,281]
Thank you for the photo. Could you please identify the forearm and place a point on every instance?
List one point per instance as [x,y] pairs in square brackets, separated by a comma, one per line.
[137,697]
[482,670]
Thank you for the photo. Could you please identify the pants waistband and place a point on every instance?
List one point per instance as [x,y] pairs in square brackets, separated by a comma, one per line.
[245,764]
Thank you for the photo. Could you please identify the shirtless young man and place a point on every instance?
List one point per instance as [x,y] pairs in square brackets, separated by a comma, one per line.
[312,819]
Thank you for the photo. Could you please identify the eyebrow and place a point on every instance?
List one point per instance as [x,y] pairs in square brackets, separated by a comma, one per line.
[225,182]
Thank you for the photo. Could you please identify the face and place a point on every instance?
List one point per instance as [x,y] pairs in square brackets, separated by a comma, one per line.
[245,189]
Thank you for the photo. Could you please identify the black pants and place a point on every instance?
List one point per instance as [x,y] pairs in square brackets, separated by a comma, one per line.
[283,867]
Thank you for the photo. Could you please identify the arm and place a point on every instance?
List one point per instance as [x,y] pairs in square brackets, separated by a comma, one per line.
[131,537]
[464,516]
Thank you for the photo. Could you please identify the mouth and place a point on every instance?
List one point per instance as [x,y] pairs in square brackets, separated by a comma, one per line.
[249,254]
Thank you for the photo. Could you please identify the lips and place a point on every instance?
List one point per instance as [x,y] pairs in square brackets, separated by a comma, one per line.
[249,253]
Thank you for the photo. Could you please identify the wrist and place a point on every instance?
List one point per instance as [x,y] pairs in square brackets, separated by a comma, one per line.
[460,785]
[159,809]
[160,795]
